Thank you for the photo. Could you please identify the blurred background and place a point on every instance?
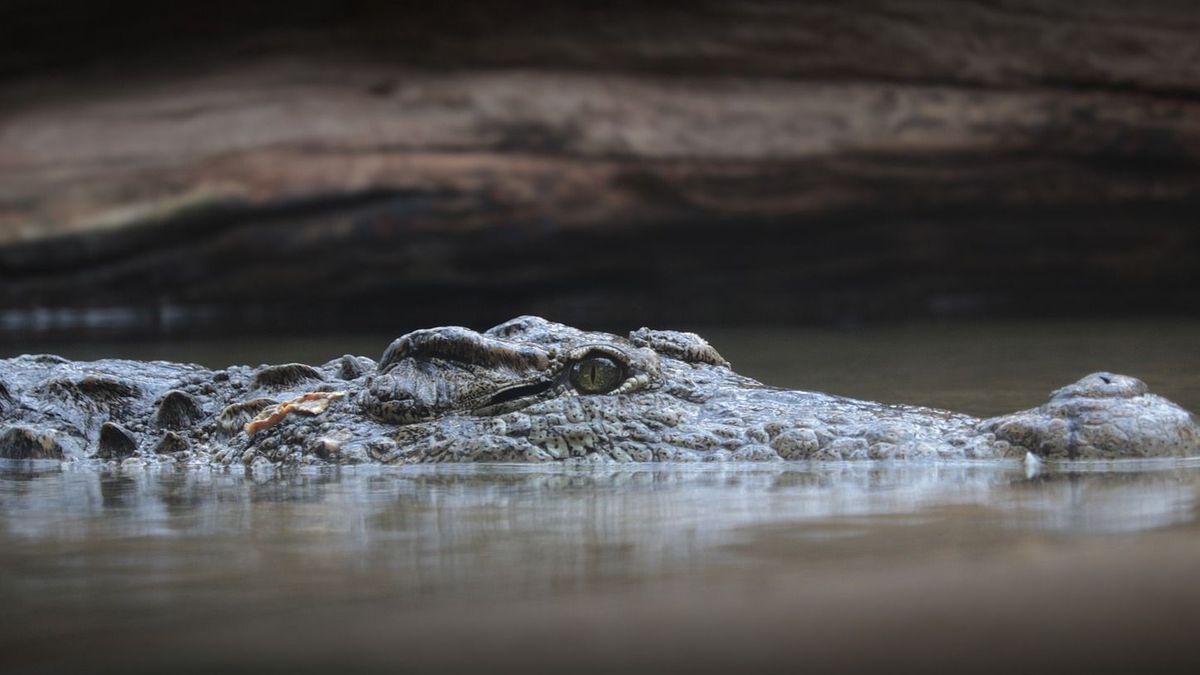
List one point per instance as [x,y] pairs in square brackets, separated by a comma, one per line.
[183,169]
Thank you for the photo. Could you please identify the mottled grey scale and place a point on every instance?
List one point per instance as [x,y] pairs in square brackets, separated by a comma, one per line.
[1100,386]
[102,390]
[25,443]
[286,376]
[115,442]
[796,444]
[170,443]
[407,393]
[687,347]
[461,344]
[755,453]
[177,410]
[533,330]
[351,367]
[518,327]
[233,417]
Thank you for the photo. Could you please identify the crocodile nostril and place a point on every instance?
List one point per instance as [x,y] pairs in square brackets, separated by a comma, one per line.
[1106,379]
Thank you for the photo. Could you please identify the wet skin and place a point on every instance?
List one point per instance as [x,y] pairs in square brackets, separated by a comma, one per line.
[534,390]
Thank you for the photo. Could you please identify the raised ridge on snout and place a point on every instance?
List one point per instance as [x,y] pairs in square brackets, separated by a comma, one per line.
[456,343]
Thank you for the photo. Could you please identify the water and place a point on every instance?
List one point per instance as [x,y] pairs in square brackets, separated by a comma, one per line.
[781,567]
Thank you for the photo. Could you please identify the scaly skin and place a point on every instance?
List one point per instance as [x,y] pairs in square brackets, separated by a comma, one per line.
[533,390]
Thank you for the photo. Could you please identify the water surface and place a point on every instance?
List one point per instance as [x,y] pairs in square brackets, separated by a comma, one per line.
[782,567]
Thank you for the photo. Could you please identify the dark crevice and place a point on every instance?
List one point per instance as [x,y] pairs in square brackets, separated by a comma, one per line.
[514,393]
[867,41]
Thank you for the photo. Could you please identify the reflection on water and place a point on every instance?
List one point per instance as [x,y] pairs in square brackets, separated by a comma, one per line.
[167,566]
[520,529]
[180,554]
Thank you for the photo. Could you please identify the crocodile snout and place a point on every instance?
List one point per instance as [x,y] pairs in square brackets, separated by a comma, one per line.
[1102,416]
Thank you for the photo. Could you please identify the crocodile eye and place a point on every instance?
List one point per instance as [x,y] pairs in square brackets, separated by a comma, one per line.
[596,375]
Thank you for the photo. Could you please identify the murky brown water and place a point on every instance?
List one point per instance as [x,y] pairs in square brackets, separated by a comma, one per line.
[783,567]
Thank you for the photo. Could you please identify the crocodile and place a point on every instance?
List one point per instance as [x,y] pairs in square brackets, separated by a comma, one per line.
[532,390]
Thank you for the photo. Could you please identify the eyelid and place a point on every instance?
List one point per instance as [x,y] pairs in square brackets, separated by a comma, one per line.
[581,353]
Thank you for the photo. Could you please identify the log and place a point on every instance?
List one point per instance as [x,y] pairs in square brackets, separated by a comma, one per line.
[376,165]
